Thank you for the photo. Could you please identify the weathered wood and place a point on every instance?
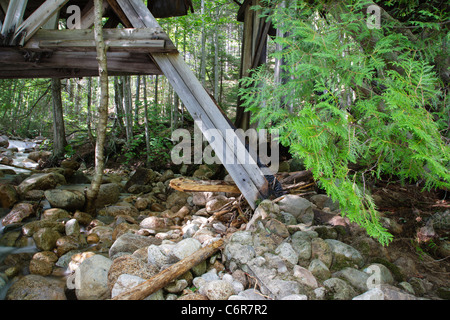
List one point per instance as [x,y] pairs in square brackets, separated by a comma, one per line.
[117,40]
[14,16]
[87,15]
[57,73]
[188,185]
[62,63]
[166,276]
[38,18]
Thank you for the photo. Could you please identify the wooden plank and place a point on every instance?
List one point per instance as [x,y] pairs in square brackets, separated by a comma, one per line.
[58,73]
[150,39]
[120,14]
[14,16]
[113,45]
[137,63]
[88,15]
[238,162]
[38,18]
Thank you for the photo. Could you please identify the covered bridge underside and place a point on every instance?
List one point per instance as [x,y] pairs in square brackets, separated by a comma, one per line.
[31,47]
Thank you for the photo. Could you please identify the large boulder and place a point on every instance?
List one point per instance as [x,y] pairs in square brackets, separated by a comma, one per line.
[65,199]
[41,181]
[36,287]
[91,278]
[108,194]
[297,206]
[19,212]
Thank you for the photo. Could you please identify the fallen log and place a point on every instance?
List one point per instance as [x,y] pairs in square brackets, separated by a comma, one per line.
[188,185]
[166,276]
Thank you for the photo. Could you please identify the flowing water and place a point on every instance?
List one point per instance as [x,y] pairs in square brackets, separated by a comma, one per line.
[18,160]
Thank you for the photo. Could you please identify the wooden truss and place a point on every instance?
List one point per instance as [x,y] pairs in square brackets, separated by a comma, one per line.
[142,47]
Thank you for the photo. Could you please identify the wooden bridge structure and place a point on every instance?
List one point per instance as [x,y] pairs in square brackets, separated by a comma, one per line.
[32,46]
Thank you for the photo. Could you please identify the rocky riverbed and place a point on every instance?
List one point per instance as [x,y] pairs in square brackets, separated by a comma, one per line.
[294,248]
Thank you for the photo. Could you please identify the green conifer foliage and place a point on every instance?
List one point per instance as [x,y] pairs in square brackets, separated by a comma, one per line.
[356,97]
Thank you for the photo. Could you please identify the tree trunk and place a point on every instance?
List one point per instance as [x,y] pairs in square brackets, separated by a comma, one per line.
[147,133]
[216,58]
[89,113]
[203,58]
[102,109]
[128,109]
[59,134]
[137,102]
[118,101]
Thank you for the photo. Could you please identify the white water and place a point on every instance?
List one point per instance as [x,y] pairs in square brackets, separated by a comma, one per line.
[20,156]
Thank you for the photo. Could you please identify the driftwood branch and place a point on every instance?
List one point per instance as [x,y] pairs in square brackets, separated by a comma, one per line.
[187,185]
[166,276]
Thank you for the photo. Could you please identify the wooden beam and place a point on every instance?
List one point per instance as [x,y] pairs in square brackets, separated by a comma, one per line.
[38,18]
[136,63]
[136,40]
[87,15]
[59,73]
[120,14]
[228,147]
[14,16]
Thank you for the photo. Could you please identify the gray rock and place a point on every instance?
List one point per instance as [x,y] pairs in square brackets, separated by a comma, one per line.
[93,278]
[303,249]
[305,277]
[295,297]
[217,290]
[41,181]
[380,274]
[287,253]
[321,250]
[65,199]
[130,242]
[251,294]
[338,289]
[239,253]
[385,292]
[344,255]
[356,278]
[323,201]
[72,227]
[125,282]
[157,258]
[36,287]
[177,286]
[319,269]
[185,248]
[297,206]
